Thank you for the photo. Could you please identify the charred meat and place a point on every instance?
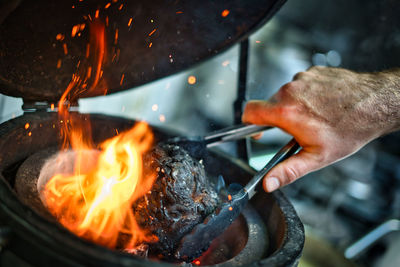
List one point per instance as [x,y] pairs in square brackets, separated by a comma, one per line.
[181,197]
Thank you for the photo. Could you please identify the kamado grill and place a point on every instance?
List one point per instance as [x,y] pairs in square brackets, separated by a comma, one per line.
[118,45]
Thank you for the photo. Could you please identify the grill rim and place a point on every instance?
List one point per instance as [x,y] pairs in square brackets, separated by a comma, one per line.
[33,228]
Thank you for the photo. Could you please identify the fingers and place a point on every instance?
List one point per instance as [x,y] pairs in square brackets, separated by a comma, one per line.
[257,136]
[291,169]
[261,113]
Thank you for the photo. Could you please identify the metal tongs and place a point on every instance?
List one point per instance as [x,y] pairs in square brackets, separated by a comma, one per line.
[196,242]
[197,146]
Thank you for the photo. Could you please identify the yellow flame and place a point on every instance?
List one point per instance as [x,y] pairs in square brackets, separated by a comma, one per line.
[96,204]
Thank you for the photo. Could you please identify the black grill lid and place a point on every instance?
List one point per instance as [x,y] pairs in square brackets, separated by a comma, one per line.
[38,54]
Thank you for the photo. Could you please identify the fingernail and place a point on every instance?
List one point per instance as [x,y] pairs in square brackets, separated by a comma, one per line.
[272,184]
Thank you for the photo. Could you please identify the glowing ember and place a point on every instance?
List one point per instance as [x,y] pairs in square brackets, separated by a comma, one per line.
[60,37]
[75,30]
[153,31]
[65,48]
[192,79]
[26,126]
[116,37]
[225,13]
[96,203]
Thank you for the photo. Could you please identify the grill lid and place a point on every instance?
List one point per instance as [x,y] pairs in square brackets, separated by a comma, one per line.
[157,38]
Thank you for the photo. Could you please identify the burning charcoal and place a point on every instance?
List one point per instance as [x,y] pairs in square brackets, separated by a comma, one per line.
[181,197]
[141,250]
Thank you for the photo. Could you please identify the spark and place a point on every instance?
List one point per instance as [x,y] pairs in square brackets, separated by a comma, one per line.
[154,107]
[153,31]
[89,72]
[151,44]
[96,15]
[52,106]
[192,79]
[107,6]
[26,126]
[116,36]
[229,197]
[75,29]
[258,42]
[30,133]
[225,13]
[162,117]
[197,262]
[59,63]
[59,37]
[65,48]
[87,50]
[121,6]
[230,208]
[122,79]
[129,22]
[179,12]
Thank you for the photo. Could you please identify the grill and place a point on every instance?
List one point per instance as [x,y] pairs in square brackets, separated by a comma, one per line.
[268,233]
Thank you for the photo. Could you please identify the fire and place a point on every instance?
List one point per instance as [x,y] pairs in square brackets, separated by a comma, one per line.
[96,203]
[95,200]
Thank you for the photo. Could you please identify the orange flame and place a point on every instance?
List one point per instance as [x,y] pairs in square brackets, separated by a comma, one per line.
[95,201]
[96,204]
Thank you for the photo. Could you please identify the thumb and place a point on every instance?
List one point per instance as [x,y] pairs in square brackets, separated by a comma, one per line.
[291,169]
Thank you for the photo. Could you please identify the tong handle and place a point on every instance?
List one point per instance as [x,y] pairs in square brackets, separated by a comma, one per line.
[285,152]
[233,133]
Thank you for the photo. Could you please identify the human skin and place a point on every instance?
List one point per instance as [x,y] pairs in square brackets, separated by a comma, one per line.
[331,112]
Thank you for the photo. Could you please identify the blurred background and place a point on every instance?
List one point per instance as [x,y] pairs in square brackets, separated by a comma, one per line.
[357,198]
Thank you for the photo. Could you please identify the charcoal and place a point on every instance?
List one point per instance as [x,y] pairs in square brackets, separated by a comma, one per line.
[181,197]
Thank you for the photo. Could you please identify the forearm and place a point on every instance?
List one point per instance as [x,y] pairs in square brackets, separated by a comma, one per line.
[387,99]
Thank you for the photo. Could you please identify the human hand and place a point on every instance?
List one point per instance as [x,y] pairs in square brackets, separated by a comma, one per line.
[331,112]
